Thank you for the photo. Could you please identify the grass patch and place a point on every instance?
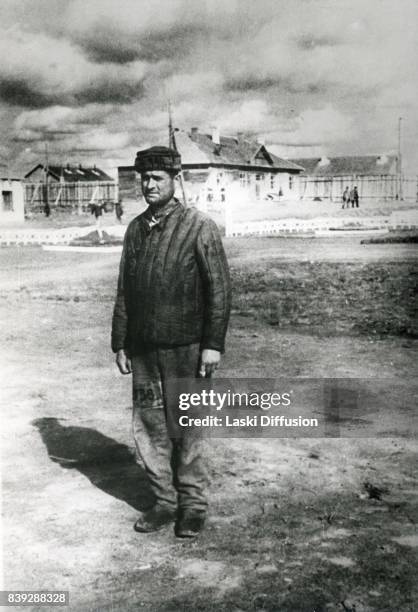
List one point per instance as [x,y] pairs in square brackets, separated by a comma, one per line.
[374,298]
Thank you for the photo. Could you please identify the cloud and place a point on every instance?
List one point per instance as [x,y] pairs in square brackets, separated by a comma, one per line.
[36,77]
[108,44]
[309,42]
[250,116]
[321,72]
[99,140]
[324,125]
[261,84]
[187,85]
[23,92]
[63,118]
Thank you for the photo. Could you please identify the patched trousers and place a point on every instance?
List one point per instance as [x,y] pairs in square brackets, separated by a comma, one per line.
[176,467]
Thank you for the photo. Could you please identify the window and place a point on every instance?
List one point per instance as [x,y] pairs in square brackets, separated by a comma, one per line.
[260,160]
[272,182]
[7,197]
[290,182]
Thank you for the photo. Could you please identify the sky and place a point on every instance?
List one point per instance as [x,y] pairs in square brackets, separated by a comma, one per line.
[89,79]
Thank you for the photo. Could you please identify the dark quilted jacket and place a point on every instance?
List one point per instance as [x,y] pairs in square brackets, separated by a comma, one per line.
[174,286]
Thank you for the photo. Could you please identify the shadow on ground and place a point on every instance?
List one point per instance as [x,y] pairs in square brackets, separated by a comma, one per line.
[108,464]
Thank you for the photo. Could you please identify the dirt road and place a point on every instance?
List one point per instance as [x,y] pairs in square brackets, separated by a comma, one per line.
[292,526]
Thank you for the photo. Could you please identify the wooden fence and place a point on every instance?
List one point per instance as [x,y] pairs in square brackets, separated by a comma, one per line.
[384,188]
[68,196]
[399,219]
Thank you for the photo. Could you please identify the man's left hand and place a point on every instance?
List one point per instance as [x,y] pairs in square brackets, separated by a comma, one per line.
[209,362]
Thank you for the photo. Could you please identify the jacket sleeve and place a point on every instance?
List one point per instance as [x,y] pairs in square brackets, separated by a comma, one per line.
[214,270]
[120,316]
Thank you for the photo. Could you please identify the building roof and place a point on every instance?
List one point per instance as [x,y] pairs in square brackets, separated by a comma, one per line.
[349,165]
[73,174]
[197,148]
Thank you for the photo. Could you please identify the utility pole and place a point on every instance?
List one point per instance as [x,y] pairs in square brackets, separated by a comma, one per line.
[172,144]
[171,137]
[400,178]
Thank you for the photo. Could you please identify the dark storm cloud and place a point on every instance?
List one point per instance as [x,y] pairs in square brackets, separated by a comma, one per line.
[16,91]
[109,92]
[283,85]
[22,93]
[172,44]
[250,84]
[307,42]
[109,44]
[107,50]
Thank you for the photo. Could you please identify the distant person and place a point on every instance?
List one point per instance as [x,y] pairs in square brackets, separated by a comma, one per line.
[351,198]
[346,196]
[355,198]
[119,210]
[97,211]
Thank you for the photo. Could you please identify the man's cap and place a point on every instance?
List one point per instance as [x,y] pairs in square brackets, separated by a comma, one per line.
[158,158]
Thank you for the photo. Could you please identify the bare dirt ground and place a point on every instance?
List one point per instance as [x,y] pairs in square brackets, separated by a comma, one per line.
[292,526]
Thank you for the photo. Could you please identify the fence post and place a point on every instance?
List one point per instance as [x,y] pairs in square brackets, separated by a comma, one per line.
[79,204]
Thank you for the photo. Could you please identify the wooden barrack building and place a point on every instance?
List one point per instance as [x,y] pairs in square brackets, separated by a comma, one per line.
[67,187]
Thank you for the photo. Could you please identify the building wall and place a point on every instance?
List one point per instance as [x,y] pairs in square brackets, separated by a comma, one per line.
[218,184]
[210,189]
[129,183]
[12,208]
[68,196]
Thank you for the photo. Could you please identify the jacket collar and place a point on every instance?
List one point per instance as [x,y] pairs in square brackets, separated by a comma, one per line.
[158,218]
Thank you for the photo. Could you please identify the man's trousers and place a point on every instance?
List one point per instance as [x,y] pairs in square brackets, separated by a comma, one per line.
[175,466]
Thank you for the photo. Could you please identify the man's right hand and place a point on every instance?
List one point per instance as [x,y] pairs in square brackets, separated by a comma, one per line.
[123,362]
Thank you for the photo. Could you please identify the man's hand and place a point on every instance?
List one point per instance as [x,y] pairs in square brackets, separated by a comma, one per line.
[209,362]
[123,362]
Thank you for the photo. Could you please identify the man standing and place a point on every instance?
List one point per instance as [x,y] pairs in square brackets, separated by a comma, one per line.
[345,197]
[169,321]
[355,198]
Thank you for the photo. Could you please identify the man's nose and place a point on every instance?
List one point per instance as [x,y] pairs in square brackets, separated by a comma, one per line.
[151,183]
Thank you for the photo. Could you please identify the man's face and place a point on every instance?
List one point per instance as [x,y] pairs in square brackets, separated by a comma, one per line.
[158,187]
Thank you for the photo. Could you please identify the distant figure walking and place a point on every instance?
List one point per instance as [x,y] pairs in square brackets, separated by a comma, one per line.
[355,200]
[345,198]
[97,211]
